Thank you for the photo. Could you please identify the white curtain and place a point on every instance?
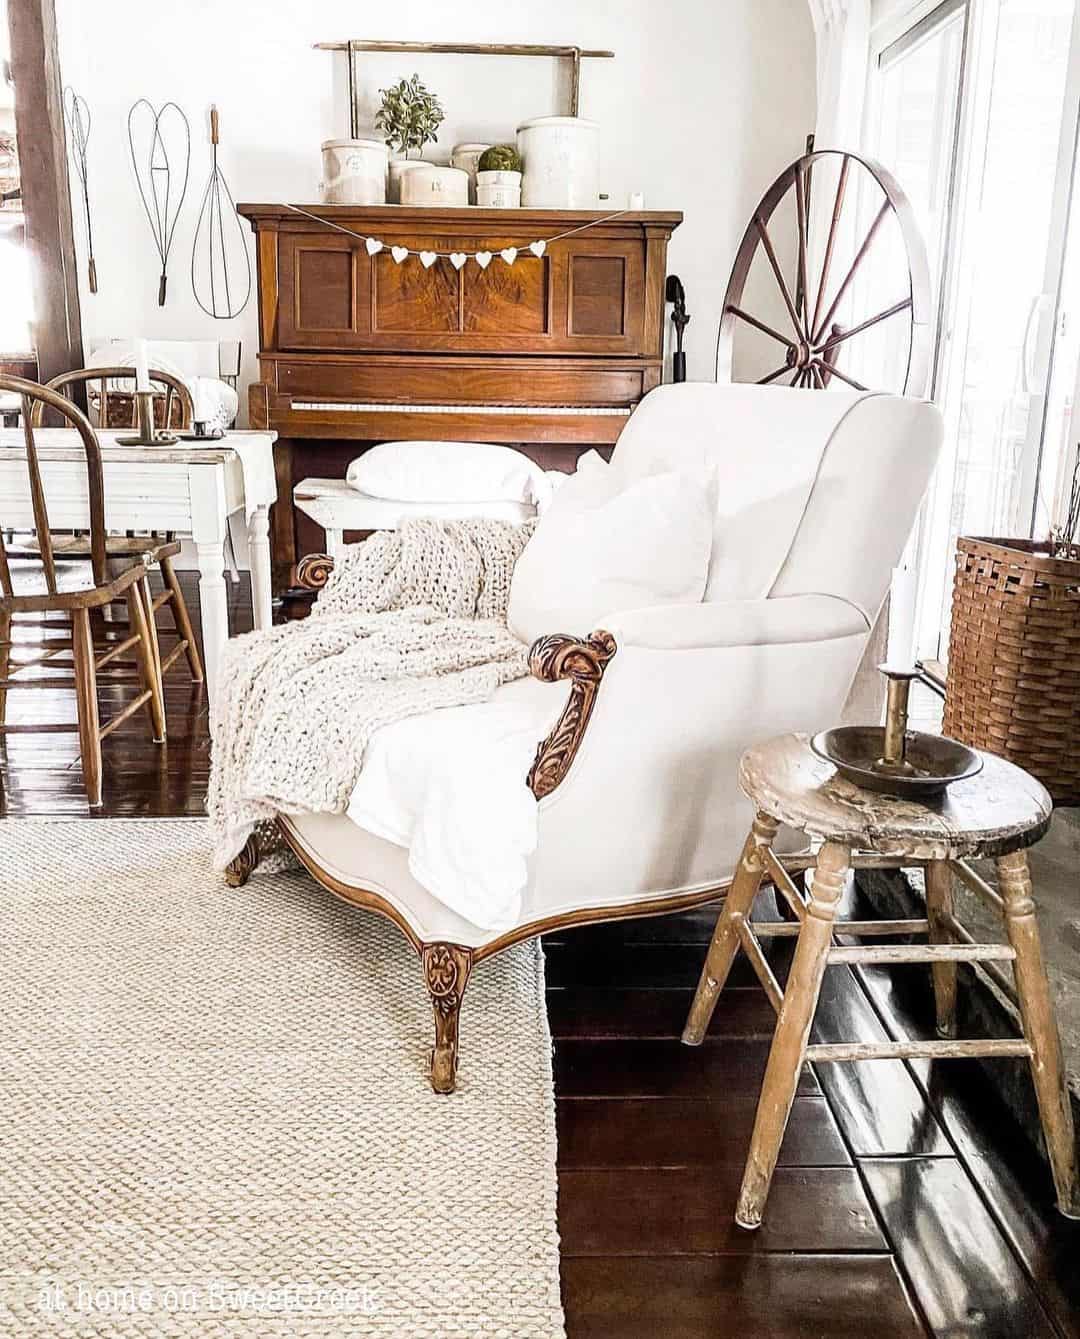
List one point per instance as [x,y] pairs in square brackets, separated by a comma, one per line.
[842,30]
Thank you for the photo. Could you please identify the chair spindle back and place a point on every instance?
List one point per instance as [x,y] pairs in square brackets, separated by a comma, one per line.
[175,390]
[35,399]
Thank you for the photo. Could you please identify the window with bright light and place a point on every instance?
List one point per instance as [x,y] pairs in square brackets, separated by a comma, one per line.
[15,298]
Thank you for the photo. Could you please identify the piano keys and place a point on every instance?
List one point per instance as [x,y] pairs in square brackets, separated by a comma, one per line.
[550,354]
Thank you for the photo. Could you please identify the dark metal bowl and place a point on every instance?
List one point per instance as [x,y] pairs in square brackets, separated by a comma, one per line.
[936,760]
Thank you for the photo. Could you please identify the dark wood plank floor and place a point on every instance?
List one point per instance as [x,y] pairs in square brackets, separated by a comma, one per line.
[906,1203]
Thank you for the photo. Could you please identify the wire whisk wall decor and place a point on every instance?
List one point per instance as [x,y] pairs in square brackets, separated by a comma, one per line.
[160,144]
[220,242]
[77,117]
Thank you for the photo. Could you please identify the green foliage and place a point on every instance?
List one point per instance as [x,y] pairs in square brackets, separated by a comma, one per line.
[500,158]
[410,116]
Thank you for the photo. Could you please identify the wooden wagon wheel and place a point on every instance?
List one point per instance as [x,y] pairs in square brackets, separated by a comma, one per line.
[814,349]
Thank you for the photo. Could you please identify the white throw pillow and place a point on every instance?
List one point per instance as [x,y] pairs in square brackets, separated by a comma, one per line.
[448,472]
[606,544]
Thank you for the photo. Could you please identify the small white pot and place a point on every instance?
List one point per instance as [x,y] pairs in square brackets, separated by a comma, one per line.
[354,172]
[398,168]
[432,185]
[498,190]
[467,158]
[561,155]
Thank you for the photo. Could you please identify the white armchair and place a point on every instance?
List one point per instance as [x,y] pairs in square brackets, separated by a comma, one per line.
[636,783]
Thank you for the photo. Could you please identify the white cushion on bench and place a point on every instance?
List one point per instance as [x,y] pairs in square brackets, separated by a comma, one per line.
[428,472]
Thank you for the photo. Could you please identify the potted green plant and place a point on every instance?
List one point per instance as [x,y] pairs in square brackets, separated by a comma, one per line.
[498,179]
[408,118]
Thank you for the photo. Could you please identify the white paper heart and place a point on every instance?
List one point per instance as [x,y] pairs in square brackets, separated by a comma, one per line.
[374,246]
[457,259]
[427,259]
[483,259]
[538,248]
[399,253]
[509,254]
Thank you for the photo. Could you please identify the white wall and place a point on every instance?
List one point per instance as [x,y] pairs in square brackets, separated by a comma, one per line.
[703,104]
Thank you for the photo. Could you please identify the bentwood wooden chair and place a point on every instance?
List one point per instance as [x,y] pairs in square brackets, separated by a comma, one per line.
[125,581]
[154,549]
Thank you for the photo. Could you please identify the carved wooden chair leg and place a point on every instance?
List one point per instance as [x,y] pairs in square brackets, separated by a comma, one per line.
[1040,1028]
[939,908]
[788,1050]
[446,971]
[181,618]
[241,868]
[5,659]
[725,940]
[82,647]
[149,669]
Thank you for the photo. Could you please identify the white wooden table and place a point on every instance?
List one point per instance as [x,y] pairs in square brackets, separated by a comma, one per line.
[188,488]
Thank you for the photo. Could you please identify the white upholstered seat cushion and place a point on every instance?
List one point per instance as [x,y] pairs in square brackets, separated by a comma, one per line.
[450,786]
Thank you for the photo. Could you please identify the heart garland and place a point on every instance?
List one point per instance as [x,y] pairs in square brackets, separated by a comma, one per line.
[508,254]
[456,258]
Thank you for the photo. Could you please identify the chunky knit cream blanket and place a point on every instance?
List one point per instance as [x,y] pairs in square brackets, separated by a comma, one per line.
[411,620]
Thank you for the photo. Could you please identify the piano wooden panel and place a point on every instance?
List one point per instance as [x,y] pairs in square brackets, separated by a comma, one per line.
[549,353]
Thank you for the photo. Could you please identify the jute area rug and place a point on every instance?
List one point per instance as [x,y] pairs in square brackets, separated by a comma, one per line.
[215,1117]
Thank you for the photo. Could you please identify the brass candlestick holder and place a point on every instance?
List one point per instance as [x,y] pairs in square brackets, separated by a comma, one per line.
[146,433]
[892,759]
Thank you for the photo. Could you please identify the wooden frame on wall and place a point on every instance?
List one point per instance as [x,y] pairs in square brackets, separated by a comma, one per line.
[39,128]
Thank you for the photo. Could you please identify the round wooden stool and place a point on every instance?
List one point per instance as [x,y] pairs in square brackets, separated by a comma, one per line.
[997,814]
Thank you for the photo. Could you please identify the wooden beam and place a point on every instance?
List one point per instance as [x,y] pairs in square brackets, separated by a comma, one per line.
[42,147]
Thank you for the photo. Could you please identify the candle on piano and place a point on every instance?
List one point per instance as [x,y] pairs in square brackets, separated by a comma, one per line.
[142,366]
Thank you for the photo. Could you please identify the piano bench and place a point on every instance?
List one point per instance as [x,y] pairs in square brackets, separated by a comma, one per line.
[337,507]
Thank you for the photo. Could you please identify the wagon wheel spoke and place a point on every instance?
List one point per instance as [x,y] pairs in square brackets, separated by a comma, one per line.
[764,381]
[796,378]
[830,244]
[834,371]
[839,337]
[766,242]
[760,325]
[815,372]
[802,292]
[860,256]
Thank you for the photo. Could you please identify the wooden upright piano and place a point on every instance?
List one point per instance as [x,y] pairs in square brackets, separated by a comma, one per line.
[550,353]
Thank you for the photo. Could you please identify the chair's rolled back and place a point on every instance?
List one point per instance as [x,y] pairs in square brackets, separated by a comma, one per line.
[866,498]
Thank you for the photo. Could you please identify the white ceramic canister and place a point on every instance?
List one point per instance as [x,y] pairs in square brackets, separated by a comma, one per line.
[430,184]
[354,172]
[398,168]
[561,158]
[498,190]
[467,157]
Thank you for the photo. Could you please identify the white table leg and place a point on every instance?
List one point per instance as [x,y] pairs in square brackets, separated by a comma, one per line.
[335,539]
[259,557]
[215,608]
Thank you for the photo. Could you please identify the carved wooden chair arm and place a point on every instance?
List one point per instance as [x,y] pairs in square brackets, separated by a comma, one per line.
[583,662]
[313,570]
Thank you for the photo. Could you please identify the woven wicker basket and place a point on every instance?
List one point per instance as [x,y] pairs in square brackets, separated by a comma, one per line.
[1013,684]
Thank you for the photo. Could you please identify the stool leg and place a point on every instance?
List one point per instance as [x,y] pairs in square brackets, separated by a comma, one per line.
[725,940]
[938,906]
[788,1050]
[1040,1028]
